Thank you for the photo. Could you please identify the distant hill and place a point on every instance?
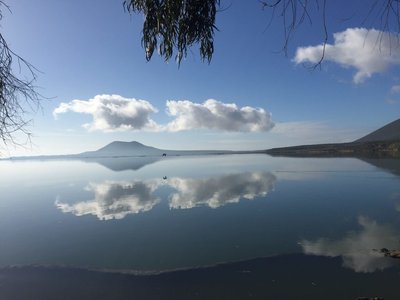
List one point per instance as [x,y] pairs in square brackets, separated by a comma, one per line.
[389,132]
[384,142]
[126,149]
[129,149]
[388,149]
[119,148]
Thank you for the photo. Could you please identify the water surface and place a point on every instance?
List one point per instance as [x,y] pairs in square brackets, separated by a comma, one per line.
[151,215]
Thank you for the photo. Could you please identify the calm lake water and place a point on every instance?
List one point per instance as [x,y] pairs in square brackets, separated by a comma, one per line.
[240,215]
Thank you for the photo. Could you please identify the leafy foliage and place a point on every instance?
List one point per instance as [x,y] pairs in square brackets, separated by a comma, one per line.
[179,24]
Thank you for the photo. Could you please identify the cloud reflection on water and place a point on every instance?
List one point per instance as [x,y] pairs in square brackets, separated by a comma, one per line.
[115,200]
[216,192]
[356,248]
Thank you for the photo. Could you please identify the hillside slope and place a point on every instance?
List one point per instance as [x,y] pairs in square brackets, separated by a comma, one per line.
[383,142]
[130,149]
[389,132]
[118,148]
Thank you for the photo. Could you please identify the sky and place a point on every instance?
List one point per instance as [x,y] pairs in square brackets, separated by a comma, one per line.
[99,87]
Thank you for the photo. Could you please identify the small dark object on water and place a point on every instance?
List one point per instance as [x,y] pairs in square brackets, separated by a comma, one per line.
[164,154]
[165,177]
[390,253]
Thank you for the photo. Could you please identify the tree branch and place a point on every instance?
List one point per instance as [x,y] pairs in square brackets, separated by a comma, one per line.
[16,94]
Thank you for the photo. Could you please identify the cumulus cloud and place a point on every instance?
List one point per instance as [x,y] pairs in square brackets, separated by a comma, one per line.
[213,114]
[112,112]
[116,113]
[216,192]
[368,51]
[356,248]
[114,200]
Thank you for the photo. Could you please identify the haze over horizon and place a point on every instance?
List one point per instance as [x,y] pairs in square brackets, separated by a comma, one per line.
[250,97]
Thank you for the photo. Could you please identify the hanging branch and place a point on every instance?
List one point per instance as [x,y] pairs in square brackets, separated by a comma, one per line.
[385,15]
[176,24]
[18,94]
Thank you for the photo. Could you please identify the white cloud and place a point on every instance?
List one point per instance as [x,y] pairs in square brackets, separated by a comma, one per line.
[368,51]
[395,89]
[116,113]
[114,200]
[112,112]
[216,192]
[356,248]
[213,114]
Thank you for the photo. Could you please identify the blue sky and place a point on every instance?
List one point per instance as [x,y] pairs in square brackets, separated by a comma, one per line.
[89,50]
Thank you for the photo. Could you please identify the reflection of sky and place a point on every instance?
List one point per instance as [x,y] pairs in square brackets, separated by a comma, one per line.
[396,198]
[356,248]
[115,200]
[155,223]
[218,191]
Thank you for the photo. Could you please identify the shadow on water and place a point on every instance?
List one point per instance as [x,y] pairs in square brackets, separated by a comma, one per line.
[282,277]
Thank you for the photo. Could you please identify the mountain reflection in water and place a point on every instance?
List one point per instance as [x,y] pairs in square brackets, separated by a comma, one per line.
[115,200]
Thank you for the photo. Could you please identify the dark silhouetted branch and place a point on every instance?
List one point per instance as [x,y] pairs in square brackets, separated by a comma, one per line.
[18,94]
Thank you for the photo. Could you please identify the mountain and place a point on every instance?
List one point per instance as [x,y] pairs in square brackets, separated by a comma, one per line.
[389,132]
[131,149]
[383,142]
[118,148]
